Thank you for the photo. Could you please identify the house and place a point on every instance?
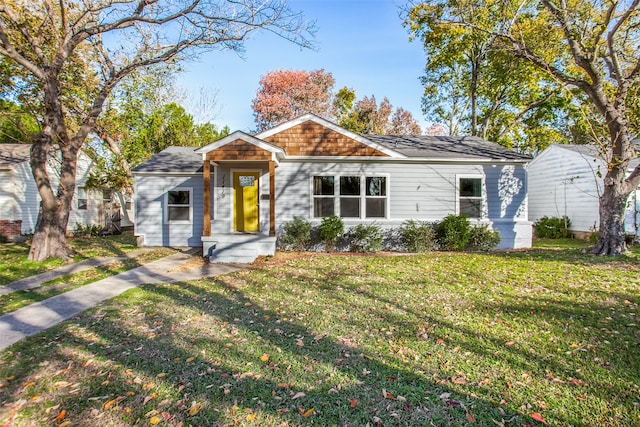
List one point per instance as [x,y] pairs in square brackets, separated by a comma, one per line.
[20,201]
[566,180]
[233,196]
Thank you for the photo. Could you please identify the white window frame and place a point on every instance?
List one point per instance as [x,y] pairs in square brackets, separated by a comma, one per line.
[85,198]
[362,197]
[482,198]
[167,206]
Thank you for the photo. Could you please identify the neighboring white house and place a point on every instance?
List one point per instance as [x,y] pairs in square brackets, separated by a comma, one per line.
[20,201]
[233,196]
[567,180]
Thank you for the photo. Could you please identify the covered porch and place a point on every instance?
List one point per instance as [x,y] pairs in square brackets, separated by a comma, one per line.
[239,182]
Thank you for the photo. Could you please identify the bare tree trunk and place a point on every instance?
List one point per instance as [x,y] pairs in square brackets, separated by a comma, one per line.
[611,240]
[49,238]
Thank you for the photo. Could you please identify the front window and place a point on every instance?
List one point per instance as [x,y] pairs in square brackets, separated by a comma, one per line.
[350,196]
[470,197]
[323,196]
[179,205]
[376,198]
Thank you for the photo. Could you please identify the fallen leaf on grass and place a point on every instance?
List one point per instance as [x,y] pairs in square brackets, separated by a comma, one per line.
[65,424]
[387,395]
[61,415]
[190,359]
[470,417]
[195,408]
[537,417]
[264,358]
[298,395]
[252,416]
[305,414]
[154,420]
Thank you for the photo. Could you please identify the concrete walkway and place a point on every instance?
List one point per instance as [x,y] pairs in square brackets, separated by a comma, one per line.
[37,280]
[39,316]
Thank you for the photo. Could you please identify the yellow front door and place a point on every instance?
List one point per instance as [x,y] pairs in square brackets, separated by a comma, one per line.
[246,206]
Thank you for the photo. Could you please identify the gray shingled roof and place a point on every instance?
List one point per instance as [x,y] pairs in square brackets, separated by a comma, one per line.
[446,147]
[13,154]
[173,159]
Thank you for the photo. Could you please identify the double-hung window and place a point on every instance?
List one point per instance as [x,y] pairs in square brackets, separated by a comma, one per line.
[179,205]
[350,196]
[470,198]
[323,196]
[81,197]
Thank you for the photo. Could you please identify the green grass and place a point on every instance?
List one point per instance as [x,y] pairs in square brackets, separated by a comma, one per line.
[13,301]
[14,264]
[445,339]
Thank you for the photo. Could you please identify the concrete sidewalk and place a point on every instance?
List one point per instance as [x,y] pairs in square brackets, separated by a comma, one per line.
[42,315]
[37,280]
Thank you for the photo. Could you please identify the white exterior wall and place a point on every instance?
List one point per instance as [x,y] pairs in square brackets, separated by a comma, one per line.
[564,182]
[150,220]
[419,191]
[426,192]
[19,198]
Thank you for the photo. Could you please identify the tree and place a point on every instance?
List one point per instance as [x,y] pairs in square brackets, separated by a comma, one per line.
[590,46]
[285,94]
[17,126]
[62,46]
[478,89]
[367,117]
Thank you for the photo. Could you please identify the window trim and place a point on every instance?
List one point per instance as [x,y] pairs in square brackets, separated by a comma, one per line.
[167,206]
[362,196]
[482,198]
[85,198]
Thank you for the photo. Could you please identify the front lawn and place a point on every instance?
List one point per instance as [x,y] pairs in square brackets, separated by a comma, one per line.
[511,339]
[14,264]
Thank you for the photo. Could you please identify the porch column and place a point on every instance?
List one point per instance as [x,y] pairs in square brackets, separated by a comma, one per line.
[272,198]
[206,180]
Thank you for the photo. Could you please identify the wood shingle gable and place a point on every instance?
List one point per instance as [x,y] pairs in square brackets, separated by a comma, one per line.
[240,146]
[312,136]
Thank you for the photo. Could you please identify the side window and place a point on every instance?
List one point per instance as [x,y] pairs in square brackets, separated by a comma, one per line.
[81,197]
[470,197]
[323,196]
[179,205]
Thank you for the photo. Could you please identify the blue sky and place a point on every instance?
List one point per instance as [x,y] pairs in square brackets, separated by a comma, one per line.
[361,42]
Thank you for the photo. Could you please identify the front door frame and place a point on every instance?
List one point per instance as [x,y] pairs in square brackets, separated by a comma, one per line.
[234,171]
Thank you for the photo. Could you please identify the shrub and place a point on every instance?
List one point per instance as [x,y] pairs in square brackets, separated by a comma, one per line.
[85,230]
[417,236]
[453,233]
[552,228]
[330,230]
[365,238]
[296,234]
[483,238]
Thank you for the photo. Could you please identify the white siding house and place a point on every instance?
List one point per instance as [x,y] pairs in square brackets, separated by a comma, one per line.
[240,190]
[566,180]
[19,198]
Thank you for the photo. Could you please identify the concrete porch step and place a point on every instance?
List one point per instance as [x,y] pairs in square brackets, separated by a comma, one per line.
[237,248]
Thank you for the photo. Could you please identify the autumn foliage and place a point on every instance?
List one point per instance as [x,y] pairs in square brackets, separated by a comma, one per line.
[286,94]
